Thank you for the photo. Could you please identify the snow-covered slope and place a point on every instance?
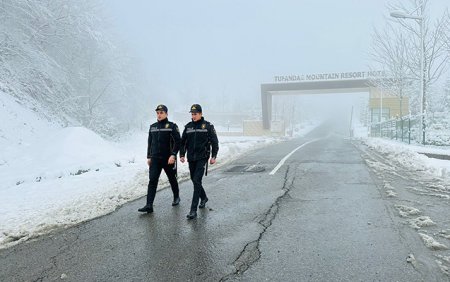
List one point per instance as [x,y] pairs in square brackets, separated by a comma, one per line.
[53,176]
[20,127]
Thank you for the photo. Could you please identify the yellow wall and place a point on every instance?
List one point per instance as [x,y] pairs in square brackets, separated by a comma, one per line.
[393,103]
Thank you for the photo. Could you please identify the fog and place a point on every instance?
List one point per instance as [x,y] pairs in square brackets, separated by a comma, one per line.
[340,109]
[217,53]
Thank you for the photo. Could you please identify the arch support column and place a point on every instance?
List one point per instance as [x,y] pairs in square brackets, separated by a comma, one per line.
[266,100]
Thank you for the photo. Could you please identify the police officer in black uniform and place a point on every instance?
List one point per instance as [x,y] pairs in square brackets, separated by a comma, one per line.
[163,145]
[199,136]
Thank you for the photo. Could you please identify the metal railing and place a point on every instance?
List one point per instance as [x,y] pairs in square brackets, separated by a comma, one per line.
[409,129]
[405,129]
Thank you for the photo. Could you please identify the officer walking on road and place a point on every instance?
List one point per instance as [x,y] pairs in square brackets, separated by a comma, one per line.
[198,137]
[163,145]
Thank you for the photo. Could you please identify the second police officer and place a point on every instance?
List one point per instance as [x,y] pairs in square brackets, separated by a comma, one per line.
[163,145]
[200,141]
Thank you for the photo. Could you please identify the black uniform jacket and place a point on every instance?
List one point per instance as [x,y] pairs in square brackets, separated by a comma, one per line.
[163,140]
[197,139]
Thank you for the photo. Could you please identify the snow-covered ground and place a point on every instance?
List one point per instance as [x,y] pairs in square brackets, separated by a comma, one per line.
[410,155]
[53,177]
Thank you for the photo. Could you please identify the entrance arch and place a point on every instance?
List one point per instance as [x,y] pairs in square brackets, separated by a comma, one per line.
[268,90]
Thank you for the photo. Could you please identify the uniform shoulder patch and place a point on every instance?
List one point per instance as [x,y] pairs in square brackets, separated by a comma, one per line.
[167,125]
[209,124]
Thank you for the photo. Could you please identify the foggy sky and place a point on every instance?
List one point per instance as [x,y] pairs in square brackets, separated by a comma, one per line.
[230,47]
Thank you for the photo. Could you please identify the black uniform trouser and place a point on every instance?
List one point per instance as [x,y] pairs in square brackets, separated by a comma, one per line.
[156,166]
[197,169]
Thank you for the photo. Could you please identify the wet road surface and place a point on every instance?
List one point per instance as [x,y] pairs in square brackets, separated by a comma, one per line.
[320,217]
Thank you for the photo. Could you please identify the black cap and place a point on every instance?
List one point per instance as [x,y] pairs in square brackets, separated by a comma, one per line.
[161,108]
[196,108]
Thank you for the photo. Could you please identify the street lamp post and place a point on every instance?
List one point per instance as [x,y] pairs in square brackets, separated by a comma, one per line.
[381,110]
[402,15]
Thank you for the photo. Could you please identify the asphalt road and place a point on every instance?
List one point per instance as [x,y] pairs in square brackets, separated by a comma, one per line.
[320,217]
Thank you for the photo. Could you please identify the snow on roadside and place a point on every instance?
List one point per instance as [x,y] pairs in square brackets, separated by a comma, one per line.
[406,211]
[64,152]
[421,221]
[74,175]
[431,243]
[410,156]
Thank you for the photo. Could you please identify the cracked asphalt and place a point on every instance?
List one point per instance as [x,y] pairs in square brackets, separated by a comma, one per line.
[320,217]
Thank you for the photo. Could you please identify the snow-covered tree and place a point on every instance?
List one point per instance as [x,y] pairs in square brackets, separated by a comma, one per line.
[61,57]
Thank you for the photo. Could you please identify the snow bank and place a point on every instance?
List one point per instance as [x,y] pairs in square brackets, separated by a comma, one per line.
[409,155]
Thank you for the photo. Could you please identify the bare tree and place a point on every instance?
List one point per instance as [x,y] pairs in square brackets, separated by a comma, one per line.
[389,50]
[436,55]
[399,48]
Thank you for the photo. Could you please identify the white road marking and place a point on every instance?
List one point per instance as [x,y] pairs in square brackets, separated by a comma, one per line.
[288,155]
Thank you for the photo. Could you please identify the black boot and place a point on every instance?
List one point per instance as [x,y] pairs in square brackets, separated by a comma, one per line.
[176,201]
[192,215]
[146,208]
[203,203]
